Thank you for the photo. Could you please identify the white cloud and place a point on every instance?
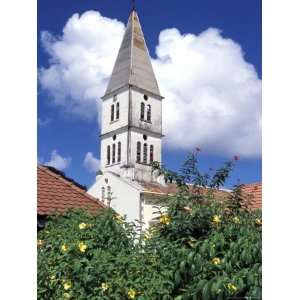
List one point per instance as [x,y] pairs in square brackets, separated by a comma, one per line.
[57,161]
[91,163]
[81,61]
[213,96]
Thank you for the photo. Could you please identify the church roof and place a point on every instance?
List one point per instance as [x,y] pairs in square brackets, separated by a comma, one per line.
[172,188]
[133,65]
[57,193]
[251,192]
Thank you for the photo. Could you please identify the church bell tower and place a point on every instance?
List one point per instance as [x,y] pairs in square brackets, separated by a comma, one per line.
[131,135]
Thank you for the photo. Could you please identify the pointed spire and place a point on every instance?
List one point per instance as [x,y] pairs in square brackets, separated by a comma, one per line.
[133,64]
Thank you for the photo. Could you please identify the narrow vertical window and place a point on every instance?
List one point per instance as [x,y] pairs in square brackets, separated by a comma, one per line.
[145,153]
[108,155]
[119,151]
[117,111]
[149,113]
[102,193]
[151,153]
[113,153]
[112,112]
[138,152]
[142,111]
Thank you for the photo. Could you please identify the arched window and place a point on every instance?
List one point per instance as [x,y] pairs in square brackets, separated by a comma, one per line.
[119,151]
[151,153]
[113,153]
[138,152]
[102,193]
[108,155]
[112,112]
[145,153]
[149,113]
[142,111]
[117,110]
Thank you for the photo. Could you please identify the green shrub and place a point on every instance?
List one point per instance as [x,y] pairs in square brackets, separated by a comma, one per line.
[200,249]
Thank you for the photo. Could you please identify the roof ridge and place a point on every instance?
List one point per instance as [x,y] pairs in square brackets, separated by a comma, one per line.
[253,183]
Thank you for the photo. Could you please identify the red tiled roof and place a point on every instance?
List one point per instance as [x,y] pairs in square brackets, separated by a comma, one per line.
[171,189]
[57,194]
[253,192]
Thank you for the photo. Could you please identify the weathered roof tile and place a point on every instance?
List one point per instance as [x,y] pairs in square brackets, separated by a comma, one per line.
[56,193]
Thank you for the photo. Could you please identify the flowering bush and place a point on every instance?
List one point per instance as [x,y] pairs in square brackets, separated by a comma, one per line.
[200,249]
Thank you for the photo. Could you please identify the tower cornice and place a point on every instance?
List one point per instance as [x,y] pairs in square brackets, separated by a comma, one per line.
[133,87]
[133,128]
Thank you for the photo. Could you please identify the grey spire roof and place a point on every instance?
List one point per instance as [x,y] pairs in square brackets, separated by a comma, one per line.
[133,65]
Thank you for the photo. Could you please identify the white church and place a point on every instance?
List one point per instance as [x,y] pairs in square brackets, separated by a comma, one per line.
[131,136]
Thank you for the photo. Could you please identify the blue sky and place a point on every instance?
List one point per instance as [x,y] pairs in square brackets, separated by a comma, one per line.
[74,136]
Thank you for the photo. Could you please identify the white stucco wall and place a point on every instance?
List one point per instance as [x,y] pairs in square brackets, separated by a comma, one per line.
[156,112]
[149,212]
[122,137]
[151,140]
[125,195]
[107,125]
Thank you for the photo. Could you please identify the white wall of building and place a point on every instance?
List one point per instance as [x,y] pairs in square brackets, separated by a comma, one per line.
[156,112]
[151,140]
[107,125]
[150,212]
[122,137]
[125,195]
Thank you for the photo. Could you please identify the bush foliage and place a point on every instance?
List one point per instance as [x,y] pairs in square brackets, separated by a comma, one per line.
[199,249]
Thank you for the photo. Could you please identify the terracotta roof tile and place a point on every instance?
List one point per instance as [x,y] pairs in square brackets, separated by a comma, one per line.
[56,193]
[253,191]
[171,189]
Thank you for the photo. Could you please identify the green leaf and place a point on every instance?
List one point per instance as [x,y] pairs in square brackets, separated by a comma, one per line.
[206,291]
[177,278]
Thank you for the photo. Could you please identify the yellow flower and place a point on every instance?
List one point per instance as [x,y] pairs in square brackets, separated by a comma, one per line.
[64,248]
[52,277]
[231,287]
[67,295]
[82,226]
[104,286]
[258,222]
[131,293]
[165,219]
[216,261]
[236,220]
[40,243]
[147,235]
[82,247]
[118,218]
[67,285]
[216,219]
